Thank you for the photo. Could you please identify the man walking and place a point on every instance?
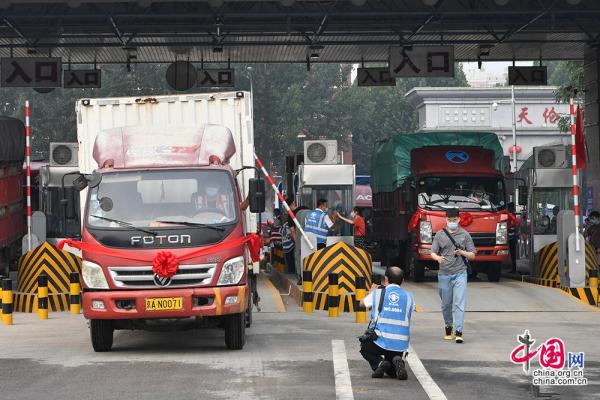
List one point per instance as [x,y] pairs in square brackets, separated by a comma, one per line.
[391,312]
[453,248]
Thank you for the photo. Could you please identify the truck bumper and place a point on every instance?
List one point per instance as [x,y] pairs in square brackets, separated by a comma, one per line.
[131,304]
[484,254]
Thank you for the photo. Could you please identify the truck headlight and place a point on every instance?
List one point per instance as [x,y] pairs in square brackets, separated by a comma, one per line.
[425,231]
[501,233]
[232,271]
[93,276]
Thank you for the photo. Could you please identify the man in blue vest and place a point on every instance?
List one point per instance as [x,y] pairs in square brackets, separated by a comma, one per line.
[391,325]
[318,223]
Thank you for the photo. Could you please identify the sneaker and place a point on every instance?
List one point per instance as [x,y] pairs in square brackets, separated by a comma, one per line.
[459,337]
[449,335]
[400,368]
[381,368]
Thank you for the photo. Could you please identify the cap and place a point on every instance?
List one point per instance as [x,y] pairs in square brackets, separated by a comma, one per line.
[452,213]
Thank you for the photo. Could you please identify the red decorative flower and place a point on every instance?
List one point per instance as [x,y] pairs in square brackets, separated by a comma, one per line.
[165,264]
[465,219]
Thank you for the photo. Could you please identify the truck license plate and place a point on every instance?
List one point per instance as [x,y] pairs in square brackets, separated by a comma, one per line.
[164,303]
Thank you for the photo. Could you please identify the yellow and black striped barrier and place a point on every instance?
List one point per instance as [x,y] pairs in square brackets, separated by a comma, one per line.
[307,292]
[57,265]
[1,279]
[361,292]
[74,293]
[593,284]
[348,262]
[7,302]
[547,262]
[42,297]
[278,259]
[333,296]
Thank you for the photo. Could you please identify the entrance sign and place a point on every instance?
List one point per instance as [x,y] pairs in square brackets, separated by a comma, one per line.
[34,72]
[375,77]
[216,77]
[422,61]
[82,78]
[530,76]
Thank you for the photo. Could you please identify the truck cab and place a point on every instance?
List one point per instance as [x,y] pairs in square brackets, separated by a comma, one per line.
[163,239]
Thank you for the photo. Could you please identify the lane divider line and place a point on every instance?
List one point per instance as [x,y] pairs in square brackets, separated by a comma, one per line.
[431,388]
[343,383]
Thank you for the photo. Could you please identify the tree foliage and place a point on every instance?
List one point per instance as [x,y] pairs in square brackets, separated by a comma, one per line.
[568,76]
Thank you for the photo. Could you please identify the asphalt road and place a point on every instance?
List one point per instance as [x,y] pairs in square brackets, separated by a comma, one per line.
[289,355]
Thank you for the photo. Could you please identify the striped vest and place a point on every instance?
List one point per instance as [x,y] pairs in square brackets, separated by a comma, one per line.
[287,243]
[315,224]
[393,325]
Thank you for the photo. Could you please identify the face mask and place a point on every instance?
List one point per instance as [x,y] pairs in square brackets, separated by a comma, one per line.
[212,191]
[353,214]
[453,226]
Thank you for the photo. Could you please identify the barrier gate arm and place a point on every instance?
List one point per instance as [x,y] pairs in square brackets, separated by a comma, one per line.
[285,204]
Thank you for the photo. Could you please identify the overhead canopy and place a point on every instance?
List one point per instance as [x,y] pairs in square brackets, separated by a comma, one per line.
[290,30]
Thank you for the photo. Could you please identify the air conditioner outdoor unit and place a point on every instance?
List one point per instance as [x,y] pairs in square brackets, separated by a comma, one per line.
[63,154]
[550,157]
[320,152]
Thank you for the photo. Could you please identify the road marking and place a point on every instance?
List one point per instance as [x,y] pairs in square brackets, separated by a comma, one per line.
[416,366]
[276,295]
[343,384]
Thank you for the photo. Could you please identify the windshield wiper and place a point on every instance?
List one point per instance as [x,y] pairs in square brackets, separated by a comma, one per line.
[187,223]
[124,223]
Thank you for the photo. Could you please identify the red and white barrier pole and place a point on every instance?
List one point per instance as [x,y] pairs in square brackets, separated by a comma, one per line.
[285,204]
[575,175]
[28,173]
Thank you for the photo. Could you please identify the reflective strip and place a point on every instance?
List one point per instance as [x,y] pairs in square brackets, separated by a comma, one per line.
[396,322]
[391,335]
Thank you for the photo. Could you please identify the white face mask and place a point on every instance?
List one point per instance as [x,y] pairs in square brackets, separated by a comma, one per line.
[212,191]
[353,214]
[453,226]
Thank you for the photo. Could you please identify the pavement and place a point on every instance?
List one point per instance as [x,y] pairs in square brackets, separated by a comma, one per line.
[293,355]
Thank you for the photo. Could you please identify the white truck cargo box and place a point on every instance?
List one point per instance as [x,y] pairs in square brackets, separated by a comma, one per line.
[231,109]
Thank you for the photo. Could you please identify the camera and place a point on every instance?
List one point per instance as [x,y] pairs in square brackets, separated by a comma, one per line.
[368,336]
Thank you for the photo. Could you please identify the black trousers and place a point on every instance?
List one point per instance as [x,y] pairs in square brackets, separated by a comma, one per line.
[374,354]
[290,262]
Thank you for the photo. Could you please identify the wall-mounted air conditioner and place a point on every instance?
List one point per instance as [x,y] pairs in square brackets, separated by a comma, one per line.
[63,154]
[550,157]
[320,152]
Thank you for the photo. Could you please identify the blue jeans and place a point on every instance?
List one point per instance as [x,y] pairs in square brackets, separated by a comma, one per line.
[453,290]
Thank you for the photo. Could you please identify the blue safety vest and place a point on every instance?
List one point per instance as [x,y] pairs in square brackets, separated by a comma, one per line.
[315,224]
[393,325]
[287,243]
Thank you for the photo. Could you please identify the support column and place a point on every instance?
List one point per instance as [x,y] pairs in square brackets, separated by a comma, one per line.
[592,120]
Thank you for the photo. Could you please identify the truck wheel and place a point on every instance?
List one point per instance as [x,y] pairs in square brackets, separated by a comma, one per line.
[494,271]
[418,271]
[235,331]
[101,331]
[248,313]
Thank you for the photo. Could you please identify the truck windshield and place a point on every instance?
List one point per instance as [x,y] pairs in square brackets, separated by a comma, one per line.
[466,193]
[145,198]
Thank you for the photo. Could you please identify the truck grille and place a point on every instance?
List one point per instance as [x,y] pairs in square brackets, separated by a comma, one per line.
[483,239]
[142,277]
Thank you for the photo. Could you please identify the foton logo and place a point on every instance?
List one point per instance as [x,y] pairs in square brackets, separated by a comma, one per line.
[161,239]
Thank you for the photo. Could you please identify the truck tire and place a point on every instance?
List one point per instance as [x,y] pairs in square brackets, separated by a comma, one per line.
[494,270]
[418,271]
[101,332]
[235,331]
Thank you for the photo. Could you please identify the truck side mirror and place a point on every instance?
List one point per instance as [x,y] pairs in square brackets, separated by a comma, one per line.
[80,183]
[257,195]
[523,194]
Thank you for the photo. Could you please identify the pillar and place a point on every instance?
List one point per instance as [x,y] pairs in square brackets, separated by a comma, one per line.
[592,120]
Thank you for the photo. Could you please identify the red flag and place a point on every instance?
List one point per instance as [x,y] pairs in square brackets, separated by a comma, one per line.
[580,141]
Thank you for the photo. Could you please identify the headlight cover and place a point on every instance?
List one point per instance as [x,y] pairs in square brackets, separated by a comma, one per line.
[425,232]
[501,233]
[93,276]
[232,271]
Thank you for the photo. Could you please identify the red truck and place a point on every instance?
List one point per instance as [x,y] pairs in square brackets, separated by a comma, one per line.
[417,177]
[12,206]
[164,239]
